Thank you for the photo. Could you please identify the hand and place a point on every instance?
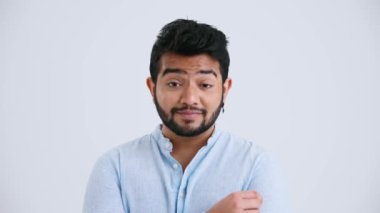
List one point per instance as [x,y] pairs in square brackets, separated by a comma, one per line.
[244,201]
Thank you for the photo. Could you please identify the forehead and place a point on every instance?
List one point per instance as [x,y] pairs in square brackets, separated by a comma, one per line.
[189,64]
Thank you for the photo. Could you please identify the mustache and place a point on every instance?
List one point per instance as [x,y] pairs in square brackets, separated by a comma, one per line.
[187,107]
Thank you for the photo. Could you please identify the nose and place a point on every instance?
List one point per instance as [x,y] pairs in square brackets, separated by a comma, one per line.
[189,95]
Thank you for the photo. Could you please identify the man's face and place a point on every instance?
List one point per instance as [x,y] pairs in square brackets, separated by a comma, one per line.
[189,92]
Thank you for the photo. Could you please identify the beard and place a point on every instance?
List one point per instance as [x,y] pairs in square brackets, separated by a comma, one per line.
[168,119]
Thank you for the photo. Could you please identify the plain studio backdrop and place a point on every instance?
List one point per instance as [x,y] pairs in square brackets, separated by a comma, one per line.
[306,87]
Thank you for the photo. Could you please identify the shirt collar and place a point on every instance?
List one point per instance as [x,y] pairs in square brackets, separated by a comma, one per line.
[166,145]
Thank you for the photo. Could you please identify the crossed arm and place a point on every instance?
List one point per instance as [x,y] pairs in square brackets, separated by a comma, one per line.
[103,193]
[243,201]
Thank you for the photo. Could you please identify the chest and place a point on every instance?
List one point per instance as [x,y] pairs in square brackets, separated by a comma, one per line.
[159,184]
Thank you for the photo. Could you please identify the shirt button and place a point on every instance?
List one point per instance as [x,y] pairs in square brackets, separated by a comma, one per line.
[175,166]
[181,194]
[167,145]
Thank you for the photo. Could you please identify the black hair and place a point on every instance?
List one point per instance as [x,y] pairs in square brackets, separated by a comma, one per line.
[187,37]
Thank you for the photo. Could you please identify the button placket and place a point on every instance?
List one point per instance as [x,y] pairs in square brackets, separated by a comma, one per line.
[175,166]
[168,145]
[182,194]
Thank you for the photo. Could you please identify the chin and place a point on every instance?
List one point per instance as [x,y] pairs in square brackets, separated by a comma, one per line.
[190,124]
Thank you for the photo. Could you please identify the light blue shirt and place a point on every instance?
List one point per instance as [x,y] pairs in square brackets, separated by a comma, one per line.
[141,176]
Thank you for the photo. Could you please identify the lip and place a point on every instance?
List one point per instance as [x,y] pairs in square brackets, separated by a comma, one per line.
[189,114]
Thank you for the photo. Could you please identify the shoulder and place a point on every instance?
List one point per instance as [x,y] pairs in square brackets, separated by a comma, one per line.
[113,156]
[242,146]
[266,174]
[236,147]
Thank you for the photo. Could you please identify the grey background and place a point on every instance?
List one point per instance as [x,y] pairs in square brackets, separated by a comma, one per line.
[306,87]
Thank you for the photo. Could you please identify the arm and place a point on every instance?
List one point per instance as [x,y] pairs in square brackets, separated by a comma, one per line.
[266,190]
[103,193]
[243,201]
[268,179]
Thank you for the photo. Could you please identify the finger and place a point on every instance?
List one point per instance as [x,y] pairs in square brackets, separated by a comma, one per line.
[250,204]
[259,197]
[249,194]
[252,195]
[252,211]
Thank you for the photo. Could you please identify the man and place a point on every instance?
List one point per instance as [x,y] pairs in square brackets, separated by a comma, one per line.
[187,164]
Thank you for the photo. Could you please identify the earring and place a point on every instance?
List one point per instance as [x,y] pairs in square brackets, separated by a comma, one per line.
[223,107]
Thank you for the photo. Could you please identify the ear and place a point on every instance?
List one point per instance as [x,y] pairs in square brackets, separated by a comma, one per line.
[150,84]
[226,88]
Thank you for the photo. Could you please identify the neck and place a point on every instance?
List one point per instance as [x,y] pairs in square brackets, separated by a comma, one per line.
[187,142]
[185,148]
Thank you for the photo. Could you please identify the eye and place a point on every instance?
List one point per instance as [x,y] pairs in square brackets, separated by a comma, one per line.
[173,84]
[206,86]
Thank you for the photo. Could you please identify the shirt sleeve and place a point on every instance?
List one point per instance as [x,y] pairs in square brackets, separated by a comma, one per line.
[269,180]
[103,194]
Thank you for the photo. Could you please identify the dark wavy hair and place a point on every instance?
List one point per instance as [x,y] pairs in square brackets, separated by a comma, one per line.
[187,37]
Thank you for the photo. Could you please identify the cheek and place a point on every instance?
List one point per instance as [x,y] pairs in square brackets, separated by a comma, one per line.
[212,102]
[166,101]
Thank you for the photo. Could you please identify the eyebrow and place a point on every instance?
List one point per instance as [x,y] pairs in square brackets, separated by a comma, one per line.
[180,71]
